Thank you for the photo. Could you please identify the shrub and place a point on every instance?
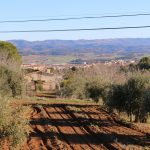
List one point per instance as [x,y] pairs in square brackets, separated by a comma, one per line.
[11,81]
[115,98]
[95,89]
[144,63]
[89,82]
[8,52]
[73,86]
[13,124]
[132,96]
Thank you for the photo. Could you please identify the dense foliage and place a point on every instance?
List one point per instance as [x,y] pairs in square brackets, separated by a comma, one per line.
[131,97]
[144,63]
[13,124]
[10,52]
[11,81]
[125,90]
[13,121]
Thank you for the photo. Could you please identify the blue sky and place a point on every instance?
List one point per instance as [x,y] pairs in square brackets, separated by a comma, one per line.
[41,9]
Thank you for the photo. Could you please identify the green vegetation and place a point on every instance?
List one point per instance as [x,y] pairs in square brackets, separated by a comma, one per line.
[10,51]
[38,85]
[13,123]
[131,97]
[11,77]
[144,63]
[86,49]
[10,81]
[48,59]
[44,100]
[87,83]
[73,85]
[126,90]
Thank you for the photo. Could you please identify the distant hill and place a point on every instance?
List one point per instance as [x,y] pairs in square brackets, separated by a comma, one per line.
[125,47]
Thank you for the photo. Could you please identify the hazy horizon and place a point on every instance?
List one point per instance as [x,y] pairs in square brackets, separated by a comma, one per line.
[78,39]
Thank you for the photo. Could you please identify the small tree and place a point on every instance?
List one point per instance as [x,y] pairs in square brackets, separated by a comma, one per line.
[131,96]
[95,90]
[11,78]
[144,63]
[135,89]
[10,51]
[115,98]
[145,107]
[11,81]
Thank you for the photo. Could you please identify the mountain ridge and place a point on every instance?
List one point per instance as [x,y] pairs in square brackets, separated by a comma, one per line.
[118,46]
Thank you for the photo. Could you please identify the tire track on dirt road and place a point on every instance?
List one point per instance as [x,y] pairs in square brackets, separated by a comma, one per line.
[55,131]
[43,135]
[94,136]
[60,133]
[78,127]
[123,134]
[109,139]
[36,140]
[74,135]
[80,133]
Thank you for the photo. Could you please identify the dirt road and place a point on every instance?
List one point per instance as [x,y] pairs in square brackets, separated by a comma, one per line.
[79,127]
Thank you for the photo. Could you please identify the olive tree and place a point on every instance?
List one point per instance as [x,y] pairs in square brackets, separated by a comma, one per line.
[144,63]
[132,97]
[11,78]
[11,81]
[9,52]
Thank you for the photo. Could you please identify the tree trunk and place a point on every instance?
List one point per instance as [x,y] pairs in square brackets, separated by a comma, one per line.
[136,119]
[144,118]
[130,117]
[130,113]
[137,116]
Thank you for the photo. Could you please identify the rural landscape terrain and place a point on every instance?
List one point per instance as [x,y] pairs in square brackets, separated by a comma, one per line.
[65,51]
[84,105]
[75,75]
[81,126]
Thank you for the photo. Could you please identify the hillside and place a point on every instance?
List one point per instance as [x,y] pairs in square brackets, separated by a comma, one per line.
[112,48]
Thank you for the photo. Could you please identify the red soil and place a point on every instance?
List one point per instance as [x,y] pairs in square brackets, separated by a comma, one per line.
[79,127]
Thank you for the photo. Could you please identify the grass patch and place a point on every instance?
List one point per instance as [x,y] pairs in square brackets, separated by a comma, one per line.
[44,100]
[48,59]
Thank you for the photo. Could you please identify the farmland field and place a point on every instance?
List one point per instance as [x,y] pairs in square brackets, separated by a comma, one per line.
[80,126]
[47,59]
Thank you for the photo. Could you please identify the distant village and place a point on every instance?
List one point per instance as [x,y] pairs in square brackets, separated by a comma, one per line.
[49,68]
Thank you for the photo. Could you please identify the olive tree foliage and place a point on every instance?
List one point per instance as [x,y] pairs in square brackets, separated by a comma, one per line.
[95,89]
[144,63]
[9,53]
[91,82]
[147,100]
[127,92]
[73,85]
[132,97]
[11,81]
[13,121]
[11,63]
[11,78]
